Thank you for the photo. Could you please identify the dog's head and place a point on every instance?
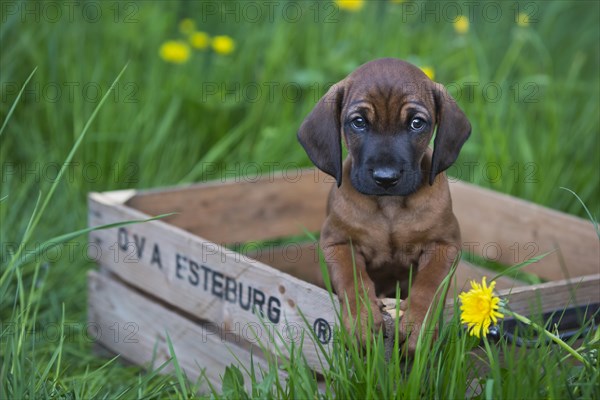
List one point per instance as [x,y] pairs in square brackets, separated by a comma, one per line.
[386,112]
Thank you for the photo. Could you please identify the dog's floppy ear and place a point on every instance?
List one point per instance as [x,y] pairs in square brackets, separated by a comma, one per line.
[453,129]
[320,133]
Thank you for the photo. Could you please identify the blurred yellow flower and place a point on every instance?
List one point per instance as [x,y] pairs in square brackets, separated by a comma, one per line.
[223,44]
[479,308]
[187,26]
[350,5]
[523,19]
[461,25]
[199,40]
[429,71]
[175,51]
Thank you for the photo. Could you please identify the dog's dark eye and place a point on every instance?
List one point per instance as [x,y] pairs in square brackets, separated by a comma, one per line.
[417,124]
[358,123]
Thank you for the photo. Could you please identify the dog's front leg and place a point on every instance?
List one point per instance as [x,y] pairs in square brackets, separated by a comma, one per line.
[434,264]
[342,265]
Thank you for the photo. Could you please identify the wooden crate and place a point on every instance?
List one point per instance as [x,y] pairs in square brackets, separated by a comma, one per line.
[182,276]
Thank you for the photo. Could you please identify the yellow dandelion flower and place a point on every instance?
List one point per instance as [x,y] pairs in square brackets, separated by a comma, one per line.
[479,308]
[187,26]
[199,40]
[523,19]
[223,44]
[175,51]
[461,25]
[429,71]
[350,5]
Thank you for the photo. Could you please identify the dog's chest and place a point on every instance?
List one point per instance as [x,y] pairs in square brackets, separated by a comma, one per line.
[391,251]
[394,241]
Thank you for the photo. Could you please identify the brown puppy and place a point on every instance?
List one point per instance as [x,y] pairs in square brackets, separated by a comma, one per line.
[388,211]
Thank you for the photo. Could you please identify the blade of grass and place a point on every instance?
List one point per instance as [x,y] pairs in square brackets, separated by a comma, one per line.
[14,104]
[516,268]
[37,216]
[59,350]
[178,371]
[153,373]
[590,216]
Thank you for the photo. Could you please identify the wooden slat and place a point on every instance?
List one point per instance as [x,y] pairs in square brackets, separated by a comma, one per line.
[135,327]
[132,253]
[241,210]
[554,296]
[550,296]
[491,221]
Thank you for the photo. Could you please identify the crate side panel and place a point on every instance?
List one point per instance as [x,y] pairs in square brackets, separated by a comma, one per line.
[211,282]
[135,327]
[502,228]
[245,210]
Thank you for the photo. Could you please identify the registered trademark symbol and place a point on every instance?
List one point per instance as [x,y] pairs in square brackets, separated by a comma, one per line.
[322,330]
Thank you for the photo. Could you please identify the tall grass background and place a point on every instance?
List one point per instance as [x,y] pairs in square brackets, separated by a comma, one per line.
[163,124]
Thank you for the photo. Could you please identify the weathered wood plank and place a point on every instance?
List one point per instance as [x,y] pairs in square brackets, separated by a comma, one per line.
[209,281]
[510,230]
[136,327]
[550,296]
[554,296]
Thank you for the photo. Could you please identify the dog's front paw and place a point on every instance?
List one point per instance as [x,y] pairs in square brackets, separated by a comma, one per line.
[408,336]
[409,331]
[360,326]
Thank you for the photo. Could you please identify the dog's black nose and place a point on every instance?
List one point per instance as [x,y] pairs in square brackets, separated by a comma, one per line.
[385,177]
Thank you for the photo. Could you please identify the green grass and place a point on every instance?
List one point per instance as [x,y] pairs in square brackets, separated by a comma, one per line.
[162,126]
